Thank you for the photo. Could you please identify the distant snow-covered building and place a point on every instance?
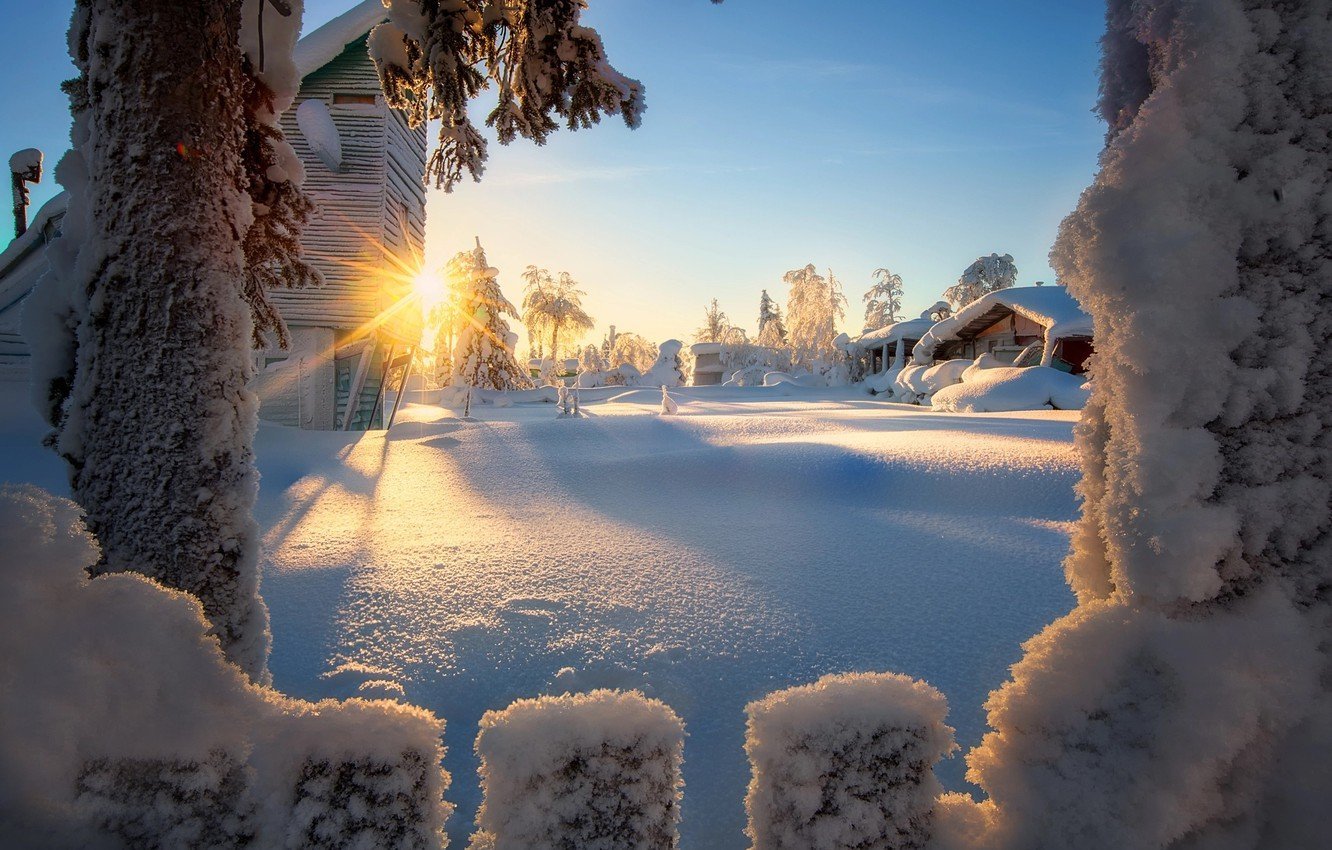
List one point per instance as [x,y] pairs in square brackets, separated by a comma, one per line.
[708,369]
[365,171]
[1013,325]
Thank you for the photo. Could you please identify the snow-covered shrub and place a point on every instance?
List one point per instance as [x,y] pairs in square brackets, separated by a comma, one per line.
[666,370]
[131,722]
[594,771]
[750,376]
[902,383]
[845,762]
[1007,388]
[916,383]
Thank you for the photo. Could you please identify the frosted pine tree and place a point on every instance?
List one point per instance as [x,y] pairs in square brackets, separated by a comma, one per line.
[814,306]
[1185,702]
[986,275]
[771,328]
[482,354]
[883,301]
[157,289]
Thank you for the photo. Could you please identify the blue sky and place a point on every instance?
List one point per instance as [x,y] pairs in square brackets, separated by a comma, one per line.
[851,134]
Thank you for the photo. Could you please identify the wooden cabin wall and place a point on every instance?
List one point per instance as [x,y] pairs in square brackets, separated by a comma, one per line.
[344,238]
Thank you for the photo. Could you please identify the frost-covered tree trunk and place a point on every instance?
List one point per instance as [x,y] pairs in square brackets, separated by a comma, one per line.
[1185,701]
[158,426]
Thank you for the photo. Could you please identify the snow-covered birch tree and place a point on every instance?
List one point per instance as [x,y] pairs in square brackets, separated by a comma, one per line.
[814,306]
[883,301]
[986,275]
[185,204]
[715,324]
[553,307]
[1185,701]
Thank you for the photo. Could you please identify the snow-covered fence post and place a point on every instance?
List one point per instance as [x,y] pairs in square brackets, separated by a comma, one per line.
[845,762]
[361,774]
[600,769]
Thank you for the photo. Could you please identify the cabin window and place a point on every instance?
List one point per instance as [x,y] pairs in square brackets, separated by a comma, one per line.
[346,99]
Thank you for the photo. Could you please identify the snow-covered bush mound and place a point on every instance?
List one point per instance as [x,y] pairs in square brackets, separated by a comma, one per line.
[666,370]
[845,762]
[773,379]
[882,383]
[594,770]
[122,717]
[916,383]
[750,376]
[1007,388]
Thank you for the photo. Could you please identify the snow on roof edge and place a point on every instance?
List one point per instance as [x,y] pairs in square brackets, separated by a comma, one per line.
[322,46]
[905,329]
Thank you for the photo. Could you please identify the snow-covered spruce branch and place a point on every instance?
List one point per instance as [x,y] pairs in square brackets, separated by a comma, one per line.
[434,57]
[600,769]
[847,761]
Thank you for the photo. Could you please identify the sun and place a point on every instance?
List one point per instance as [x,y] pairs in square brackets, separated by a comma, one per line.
[429,288]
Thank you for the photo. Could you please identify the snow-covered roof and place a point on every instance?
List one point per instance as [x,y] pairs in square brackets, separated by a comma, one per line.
[32,237]
[322,46]
[906,329]
[1049,306]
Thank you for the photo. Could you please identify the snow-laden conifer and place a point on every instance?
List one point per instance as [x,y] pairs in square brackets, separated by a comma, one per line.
[771,328]
[482,353]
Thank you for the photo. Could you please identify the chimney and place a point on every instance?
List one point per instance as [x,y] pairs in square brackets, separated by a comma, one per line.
[24,167]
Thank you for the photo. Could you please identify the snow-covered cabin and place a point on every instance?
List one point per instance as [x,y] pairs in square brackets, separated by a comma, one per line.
[887,348]
[365,171]
[1010,321]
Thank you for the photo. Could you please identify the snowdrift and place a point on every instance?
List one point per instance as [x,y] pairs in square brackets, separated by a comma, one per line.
[1006,388]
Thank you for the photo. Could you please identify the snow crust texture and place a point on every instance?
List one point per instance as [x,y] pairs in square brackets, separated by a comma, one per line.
[845,762]
[131,724]
[593,771]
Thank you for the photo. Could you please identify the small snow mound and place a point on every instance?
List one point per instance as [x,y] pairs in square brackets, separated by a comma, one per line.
[1007,388]
[668,405]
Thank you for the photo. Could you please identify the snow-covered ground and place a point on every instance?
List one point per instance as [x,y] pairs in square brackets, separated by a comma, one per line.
[757,540]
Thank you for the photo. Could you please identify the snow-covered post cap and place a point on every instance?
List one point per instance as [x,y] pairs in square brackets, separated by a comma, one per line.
[27,163]
[600,769]
[847,761]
